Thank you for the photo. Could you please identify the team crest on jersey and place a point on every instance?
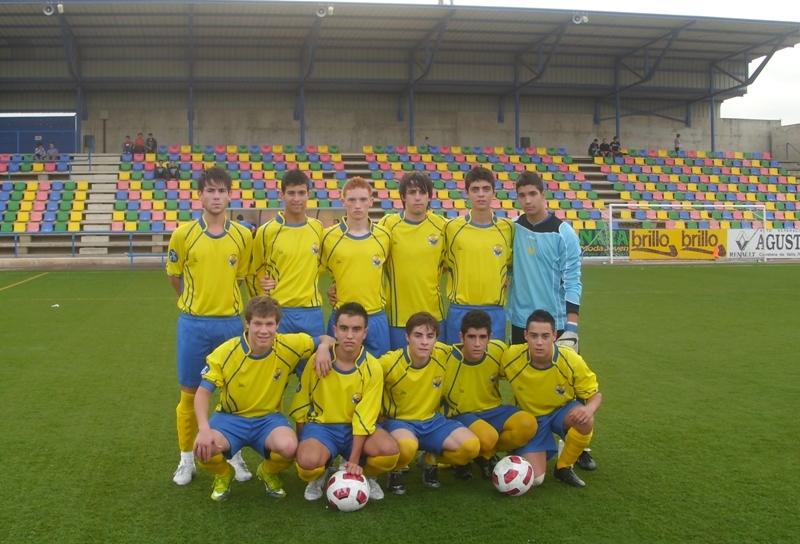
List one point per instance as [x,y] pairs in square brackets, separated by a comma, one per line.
[493,378]
[277,375]
[437,382]
[433,239]
[232,259]
[173,256]
[315,248]
[561,390]
[356,398]
[376,260]
[497,250]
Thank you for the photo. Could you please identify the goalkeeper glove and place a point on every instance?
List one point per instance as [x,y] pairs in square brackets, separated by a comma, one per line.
[569,337]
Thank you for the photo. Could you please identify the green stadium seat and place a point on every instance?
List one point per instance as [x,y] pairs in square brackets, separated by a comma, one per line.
[143,226]
[65,206]
[148,185]
[70,186]
[274,204]
[136,176]
[67,196]
[159,195]
[260,194]
[131,216]
[171,205]
[119,206]
[13,206]
[288,149]
[19,186]
[184,216]
[162,157]
[125,166]
[6,227]
[647,225]
[60,227]
[246,184]
[334,149]
[197,149]
[184,176]
[62,216]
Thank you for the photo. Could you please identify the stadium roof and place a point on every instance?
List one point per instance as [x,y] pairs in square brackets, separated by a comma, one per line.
[527,40]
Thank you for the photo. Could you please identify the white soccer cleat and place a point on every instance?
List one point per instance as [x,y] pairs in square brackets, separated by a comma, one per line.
[375,491]
[313,490]
[184,473]
[243,474]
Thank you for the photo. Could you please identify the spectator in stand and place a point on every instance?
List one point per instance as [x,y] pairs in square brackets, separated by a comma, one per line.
[616,147]
[173,170]
[151,145]
[138,144]
[594,148]
[427,141]
[39,153]
[52,153]
[161,171]
[127,146]
[677,143]
[605,149]
[245,224]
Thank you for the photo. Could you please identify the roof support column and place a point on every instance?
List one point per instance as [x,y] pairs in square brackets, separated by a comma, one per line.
[516,103]
[713,110]
[190,113]
[616,96]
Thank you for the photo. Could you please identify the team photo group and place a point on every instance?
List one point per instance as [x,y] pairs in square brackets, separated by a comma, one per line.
[395,374]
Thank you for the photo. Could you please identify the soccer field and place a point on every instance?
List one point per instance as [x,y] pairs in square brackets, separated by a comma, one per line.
[696,440]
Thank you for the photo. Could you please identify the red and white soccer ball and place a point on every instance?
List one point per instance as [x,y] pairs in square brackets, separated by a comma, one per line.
[513,476]
[347,492]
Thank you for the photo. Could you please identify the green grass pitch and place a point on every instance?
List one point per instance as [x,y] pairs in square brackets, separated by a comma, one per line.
[696,441]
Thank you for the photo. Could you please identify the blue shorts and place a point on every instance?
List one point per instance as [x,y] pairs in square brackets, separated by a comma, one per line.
[548,424]
[377,340]
[307,320]
[397,336]
[242,431]
[197,337]
[496,417]
[430,433]
[337,437]
[456,313]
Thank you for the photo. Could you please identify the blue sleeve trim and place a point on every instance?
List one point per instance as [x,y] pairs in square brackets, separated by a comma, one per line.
[205,384]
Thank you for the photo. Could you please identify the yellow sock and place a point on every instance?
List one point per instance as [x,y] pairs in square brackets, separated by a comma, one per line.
[487,435]
[574,444]
[375,466]
[187,422]
[407,450]
[468,451]
[310,475]
[276,463]
[217,465]
[517,431]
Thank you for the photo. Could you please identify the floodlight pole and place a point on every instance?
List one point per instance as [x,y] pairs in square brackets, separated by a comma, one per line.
[713,111]
[190,113]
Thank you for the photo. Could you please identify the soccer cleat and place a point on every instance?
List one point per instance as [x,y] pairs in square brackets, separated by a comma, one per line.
[222,486]
[486,466]
[463,472]
[375,491]
[184,473]
[585,461]
[405,469]
[272,483]
[313,490]
[430,473]
[395,483]
[238,464]
[567,475]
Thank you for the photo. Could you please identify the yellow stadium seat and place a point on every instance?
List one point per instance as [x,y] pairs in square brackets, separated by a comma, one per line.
[235,184]
[701,154]
[531,168]
[599,204]
[76,216]
[23,217]
[171,216]
[738,155]
[456,150]
[150,157]
[625,214]
[639,161]
[514,159]
[185,185]
[19,227]
[38,167]
[441,166]
[458,176]
[573,168]
[649,186]
[577,225]
[460,204]
[207,165]
[29,196]
[581,195]
[616,169]
[558,159]
[118,216]
[82,186]
[247,194]
[771,206]
[146,195]
[336,157]
[365,149]
[316,175]
[75,227]
[725,225]
[502,176]
[669,195]
[663,154]
[229,149]
[662,215]
[499,151]
[543,151]
[590,225]
[130,226]
[312,204]
[394,194]
[78,206]
[261,203]
[322,148]
[383,157]
[599,160]
[196,157]
[269,175]
[657,170]
[572,215]
[256,166]
[244,157]
[158,205]
[680,225]
[186,149]
[508,205]
[412,149]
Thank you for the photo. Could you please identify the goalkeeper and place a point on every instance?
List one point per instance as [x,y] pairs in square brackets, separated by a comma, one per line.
[547,271]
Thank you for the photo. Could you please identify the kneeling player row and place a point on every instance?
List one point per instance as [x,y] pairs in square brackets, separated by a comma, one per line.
[376,413]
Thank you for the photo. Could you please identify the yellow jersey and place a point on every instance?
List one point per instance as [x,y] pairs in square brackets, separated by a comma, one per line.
[289,254]
[414,269]
[473,387]
[254,386]
[210,266]
[410,393]
[341,397]
[541,391]
[356,264]
[479,258]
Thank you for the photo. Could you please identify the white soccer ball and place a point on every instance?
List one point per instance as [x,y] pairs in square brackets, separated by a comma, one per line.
[347,492]
[513,476]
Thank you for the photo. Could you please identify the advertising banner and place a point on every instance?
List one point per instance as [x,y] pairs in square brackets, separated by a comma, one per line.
[594,242]
[754,243]
[678,244]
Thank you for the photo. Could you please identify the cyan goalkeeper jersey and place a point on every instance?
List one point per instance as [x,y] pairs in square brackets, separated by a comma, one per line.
[547,270]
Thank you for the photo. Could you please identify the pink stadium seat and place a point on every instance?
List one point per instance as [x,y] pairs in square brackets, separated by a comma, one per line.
[652,153]
[185,195]
[32,227]
[580,177]
[149,166]
[236,194]
[259,175]
[512,213]
[444,149]
[326,157]
[670,224]
[547,159]
[398,149]
[146,205]
[116,226]
[220,149]
[713,224]
[41,195]
[496,204]
[397,204]
[311,149]
[278,157]
[197,167]
[463,212]
[197,205]
[133,195]
[170,225]
[158,215]
[172,185]
[334,194]
[138,157]
[244,166]
[503,159]
[692,154]
[248,203]
[766,155]
[383,194]
[561,214]
[369,157]
[530,151]
[338,166]
[36,217]
[266,149]
[39,206]
[271,184]
[174,149]
[232,157]
[49,167]
[729,154]
[488,151]
[447,204]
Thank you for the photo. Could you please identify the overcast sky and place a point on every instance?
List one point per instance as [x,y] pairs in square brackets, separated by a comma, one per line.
[776,92]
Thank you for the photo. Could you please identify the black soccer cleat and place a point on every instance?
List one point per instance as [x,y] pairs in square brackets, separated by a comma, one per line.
[568,476]
[585,461]
[430,473]
[486,466]
[396,483]
[463,472]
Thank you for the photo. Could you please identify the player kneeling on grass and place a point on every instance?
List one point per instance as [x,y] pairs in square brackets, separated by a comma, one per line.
[337,414]
[546,379]
[251,372]
[413,379]
[472,395]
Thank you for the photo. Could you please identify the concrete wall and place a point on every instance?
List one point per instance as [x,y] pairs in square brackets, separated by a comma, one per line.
[783,135]
[352,123]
